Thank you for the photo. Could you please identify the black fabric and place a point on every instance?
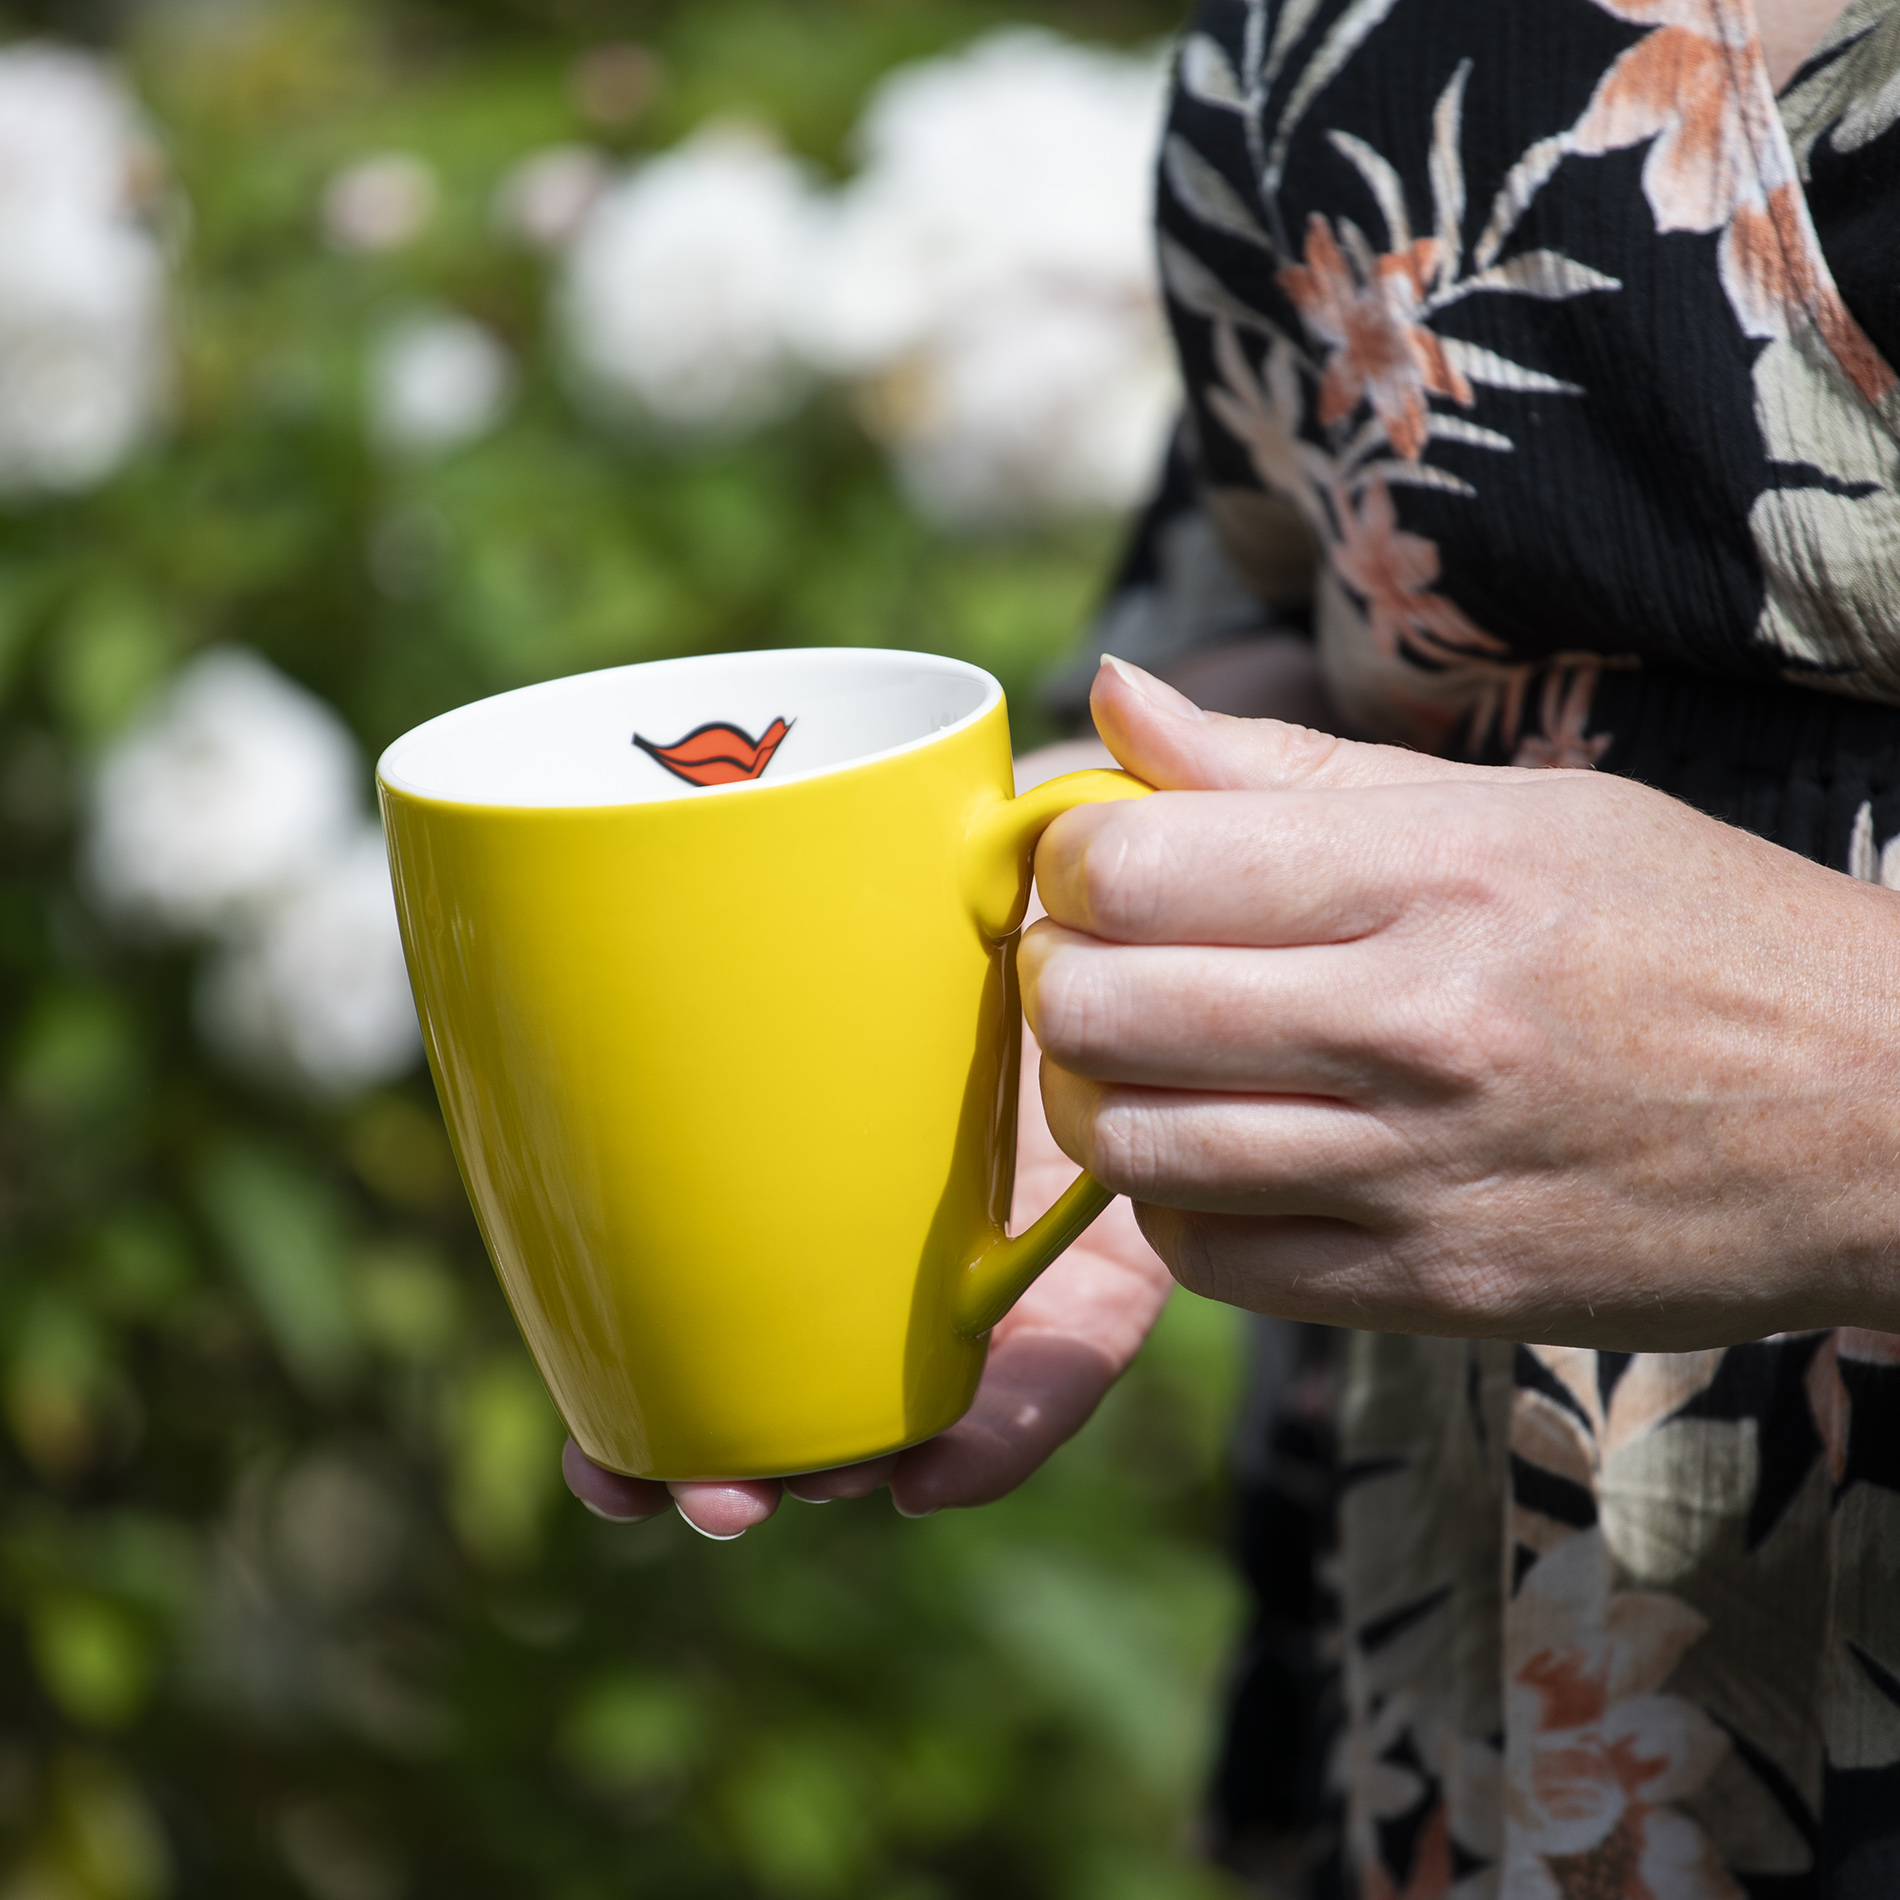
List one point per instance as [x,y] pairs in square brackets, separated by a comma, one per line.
[1618,493]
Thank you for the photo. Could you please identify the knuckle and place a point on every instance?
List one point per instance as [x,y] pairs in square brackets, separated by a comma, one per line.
[1069,1006]
[1185,1245]
[1204,1253]
[1121,1146]
[1301,755]
[1462,1034]
[1458,1037]
[1123,883]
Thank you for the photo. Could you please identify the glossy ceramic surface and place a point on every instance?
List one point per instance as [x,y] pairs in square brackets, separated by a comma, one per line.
[731,1074]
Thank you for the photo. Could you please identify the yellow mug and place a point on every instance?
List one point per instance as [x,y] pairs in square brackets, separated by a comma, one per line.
[715,964]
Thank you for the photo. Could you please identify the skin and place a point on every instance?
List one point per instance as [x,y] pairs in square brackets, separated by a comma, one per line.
[1790,30]
[1385,1041]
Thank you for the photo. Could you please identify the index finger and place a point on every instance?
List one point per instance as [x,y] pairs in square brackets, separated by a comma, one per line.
[1267,868]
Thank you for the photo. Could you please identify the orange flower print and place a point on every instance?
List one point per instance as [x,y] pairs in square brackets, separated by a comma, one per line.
[1562,741]
[1699,87]
[1598,1758]
[1393,572]
[1363,311]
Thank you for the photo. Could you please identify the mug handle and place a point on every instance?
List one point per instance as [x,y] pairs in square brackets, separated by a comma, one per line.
[1003,840]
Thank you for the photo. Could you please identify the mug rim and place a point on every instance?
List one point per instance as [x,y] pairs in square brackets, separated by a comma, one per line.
[900,659]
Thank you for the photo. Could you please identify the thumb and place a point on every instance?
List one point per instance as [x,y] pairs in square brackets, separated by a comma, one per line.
[1163,737]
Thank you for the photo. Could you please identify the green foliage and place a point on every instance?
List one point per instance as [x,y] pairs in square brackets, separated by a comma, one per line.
[291,1601]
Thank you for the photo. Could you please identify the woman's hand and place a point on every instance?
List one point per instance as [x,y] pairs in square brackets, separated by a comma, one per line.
[1051,1359]
[1390,1042]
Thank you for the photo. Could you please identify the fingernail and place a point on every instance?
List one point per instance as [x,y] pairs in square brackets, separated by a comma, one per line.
[1158,693]
[928,1511]
[712,1537]
[608,1517]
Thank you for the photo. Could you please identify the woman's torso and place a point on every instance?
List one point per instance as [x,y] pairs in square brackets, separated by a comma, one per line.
[1566,347]
[1522,319]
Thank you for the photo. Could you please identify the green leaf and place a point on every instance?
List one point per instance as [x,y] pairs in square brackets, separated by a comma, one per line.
[632,1733]
[285,1233]
[78,1056]
[142,1265]
[94,1660]
[407,1302]
[797,1815]
[1129,1659]
[504,1449]
[110,650]
[61,1388]
[105,1841]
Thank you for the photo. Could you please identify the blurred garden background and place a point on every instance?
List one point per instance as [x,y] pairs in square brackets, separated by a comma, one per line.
[358,360]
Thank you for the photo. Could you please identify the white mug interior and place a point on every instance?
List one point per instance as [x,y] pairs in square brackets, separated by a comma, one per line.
[717,725]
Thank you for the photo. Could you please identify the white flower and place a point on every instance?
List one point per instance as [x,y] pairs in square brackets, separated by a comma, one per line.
[82,351]
[68,133]
[544,199]
[234,809]
[989,275]
[1023,157]
[437,382]
[681,285]
[379,203]
[314,991]
[1030,407]
[219,797]
[82,294]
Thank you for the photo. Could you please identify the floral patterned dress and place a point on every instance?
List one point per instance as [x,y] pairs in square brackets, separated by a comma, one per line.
[1541,355]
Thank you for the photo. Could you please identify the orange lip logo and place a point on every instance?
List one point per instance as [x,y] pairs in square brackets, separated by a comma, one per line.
[717,754]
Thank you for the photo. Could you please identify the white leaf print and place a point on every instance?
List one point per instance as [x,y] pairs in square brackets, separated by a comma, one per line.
[1190,282]
[1457,429]
[1576,1368]
[1521,184]
[1861,1724]
[1661,1528]
[1655,1386]
[1551,1437]
[1546,274]
[1207,194]
[1370,435]
[1831,559]
[1861,860]
[1480,365]
[1856,91]
[1873,865]
[1264,417]
[1448,173]
[1383,182]
[1868,117]
[1294,19]
[1207,74]
[1347,34]
[1282,381]
[1412,475]
[1359,248]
